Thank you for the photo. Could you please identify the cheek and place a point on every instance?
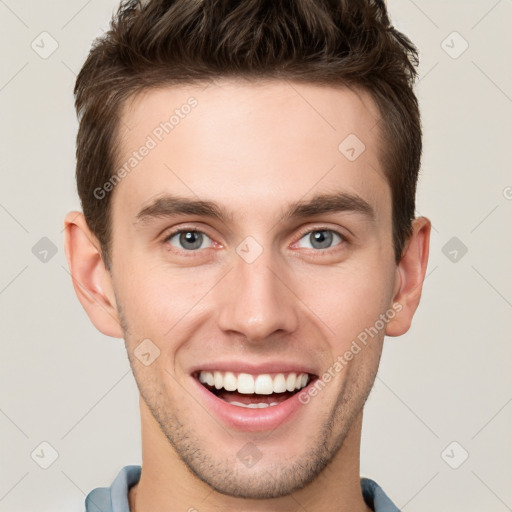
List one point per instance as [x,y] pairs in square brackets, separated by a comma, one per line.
[159,301]
[156,300]
[345,302]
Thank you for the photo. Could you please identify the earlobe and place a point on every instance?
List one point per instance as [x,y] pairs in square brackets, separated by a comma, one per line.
[91,280]
[410,275]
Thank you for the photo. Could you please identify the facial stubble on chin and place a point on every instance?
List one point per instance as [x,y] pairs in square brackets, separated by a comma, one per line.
[230,477]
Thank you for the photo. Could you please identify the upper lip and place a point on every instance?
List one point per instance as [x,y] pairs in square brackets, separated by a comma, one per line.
[252,368]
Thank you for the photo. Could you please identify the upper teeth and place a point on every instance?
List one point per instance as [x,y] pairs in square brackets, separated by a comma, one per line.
[246,383]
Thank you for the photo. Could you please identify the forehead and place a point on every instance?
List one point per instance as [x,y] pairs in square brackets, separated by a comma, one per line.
[249,145]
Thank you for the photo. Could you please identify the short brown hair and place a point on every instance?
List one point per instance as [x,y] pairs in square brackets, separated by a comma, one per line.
[155,43]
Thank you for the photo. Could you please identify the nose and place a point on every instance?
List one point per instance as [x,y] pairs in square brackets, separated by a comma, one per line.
[256,300]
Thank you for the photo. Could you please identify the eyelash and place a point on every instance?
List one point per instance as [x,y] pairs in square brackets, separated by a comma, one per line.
[344,239]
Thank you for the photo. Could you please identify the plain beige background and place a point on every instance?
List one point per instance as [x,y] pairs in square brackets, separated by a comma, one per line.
[444,390]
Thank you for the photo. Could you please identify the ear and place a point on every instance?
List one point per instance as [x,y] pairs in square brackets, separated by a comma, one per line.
[91,280]
[410,273]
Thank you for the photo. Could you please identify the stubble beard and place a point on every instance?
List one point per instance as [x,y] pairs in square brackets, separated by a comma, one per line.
[266,479]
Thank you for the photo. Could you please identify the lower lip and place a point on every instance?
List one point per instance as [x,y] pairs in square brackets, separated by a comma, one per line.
[251,420]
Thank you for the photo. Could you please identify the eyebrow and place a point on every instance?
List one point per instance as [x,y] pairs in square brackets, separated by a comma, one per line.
[173,205]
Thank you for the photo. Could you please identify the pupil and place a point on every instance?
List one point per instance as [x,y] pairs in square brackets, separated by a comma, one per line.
[324,241]
[191,237]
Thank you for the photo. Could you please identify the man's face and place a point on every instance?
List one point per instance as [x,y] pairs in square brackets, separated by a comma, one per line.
[257,291]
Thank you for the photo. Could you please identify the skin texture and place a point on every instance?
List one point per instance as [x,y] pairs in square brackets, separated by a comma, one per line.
[253,148]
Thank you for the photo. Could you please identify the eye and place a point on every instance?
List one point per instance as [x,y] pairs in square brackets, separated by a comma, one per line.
[188,239]
[322,238]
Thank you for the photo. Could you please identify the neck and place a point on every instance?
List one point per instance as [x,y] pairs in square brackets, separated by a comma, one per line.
[167,485]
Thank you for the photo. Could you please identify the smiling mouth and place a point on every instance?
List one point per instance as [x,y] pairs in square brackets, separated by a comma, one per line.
[254,391]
